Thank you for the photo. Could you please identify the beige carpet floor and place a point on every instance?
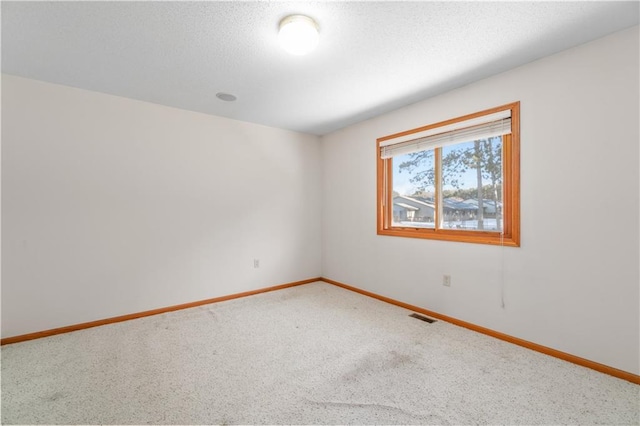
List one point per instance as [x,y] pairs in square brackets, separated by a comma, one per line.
[314,354]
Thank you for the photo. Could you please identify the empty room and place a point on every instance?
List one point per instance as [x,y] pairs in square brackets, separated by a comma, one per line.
[328,212]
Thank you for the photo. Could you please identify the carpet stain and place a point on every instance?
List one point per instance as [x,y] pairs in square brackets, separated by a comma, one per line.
[399,359]
[212,314]
[55,396]
[373,363]
[162,325]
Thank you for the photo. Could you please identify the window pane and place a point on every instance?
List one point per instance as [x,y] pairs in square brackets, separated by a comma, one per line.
[414,190]
[472,185]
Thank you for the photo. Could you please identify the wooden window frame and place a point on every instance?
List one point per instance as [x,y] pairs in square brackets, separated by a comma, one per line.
[510,180]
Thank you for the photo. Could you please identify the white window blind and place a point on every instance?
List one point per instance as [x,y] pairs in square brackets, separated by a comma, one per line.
[482,127]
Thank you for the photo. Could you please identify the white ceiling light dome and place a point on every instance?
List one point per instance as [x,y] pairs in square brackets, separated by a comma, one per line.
[298,34]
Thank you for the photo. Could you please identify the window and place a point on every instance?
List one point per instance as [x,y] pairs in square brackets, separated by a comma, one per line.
[458,180]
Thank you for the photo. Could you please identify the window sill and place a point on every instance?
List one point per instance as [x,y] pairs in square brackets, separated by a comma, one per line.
[478,237]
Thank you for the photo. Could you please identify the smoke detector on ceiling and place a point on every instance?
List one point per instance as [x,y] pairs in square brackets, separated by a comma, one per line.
[227,97]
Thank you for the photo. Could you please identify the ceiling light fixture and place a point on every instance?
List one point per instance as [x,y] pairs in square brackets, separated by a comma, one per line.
[298,34]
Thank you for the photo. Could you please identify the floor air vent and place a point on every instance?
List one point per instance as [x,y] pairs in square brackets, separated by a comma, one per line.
[422,318]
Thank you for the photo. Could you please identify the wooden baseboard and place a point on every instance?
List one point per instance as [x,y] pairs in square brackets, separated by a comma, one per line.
[633,378]
[82,326]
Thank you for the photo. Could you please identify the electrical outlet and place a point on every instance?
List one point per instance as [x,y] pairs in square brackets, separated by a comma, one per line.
[446,280]
[256,263]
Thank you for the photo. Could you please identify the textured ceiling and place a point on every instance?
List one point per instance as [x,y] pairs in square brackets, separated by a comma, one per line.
[373,57]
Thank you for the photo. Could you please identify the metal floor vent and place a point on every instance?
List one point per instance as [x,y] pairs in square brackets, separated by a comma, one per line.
[423,318]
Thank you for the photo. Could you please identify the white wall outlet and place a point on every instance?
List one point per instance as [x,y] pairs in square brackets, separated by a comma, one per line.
[256,263]
[446,280]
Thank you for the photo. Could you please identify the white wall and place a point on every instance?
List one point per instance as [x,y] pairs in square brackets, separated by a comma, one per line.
[573,285]
[113,206]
